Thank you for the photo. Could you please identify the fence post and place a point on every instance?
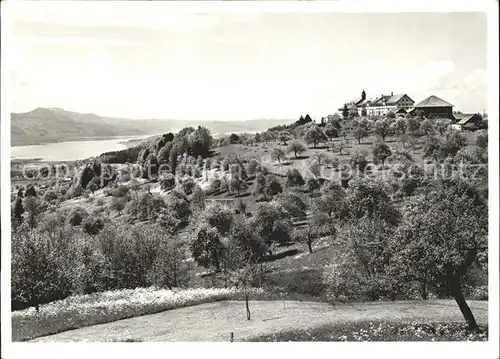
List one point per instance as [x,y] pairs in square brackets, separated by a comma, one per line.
[232,337]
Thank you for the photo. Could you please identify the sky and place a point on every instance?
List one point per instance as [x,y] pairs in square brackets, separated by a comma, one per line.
[128,63]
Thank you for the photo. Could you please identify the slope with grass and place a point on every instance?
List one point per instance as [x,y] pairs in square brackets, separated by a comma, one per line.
[215,321]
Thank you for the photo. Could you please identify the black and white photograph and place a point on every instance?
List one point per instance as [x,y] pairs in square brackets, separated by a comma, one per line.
[250,172]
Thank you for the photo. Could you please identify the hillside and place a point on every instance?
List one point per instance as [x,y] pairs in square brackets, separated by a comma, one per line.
[45,125]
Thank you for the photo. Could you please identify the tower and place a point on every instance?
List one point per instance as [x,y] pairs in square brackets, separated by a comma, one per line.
[363,95]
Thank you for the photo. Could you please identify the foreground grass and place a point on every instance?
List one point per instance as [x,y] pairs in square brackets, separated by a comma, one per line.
[379,331]
[215,321]
[85,310]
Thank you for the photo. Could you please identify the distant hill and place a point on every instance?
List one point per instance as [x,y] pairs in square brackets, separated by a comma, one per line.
[45,125]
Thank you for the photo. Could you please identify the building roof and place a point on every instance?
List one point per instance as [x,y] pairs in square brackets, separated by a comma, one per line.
[433,101]
[381,101]
[388,100]
[464,118]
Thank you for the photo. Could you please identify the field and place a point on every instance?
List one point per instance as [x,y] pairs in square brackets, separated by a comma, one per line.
[215,321]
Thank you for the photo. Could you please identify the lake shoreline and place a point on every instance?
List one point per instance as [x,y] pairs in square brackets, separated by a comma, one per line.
[75,139]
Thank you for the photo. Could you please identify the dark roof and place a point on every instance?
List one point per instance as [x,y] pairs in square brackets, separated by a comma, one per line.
[381,101]
[464,118]
[433,101]
[394,99]
[388,100]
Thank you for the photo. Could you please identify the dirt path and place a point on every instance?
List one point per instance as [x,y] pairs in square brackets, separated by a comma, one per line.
[215,321]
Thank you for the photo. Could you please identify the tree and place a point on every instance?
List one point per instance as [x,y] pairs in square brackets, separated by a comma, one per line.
[331,131]
[294,178]
[273,186]
[77,190]
[18,210]
[94,184]
[197,198]
[284,136]
[296,147]
[381,152]
[278,154]
[316,227]
[358,161]
[342,145]
[391,115]
[77,215]
[93,225]
[200,142]
[252,167]
[404,138]
[454,142]
[36,275]
[272,223]
[164,153]
[413,142]
[86,176]
[178,203]
[167,182]
[207,233]
[30,191]
[246,240]
[345,112]
[413,125]
[234,138]
[370,198]
[362,272]
[442,125]
[188,185]
[237,184]
[118,204]
[427,128]
[401,126]
[315,135]
[33,208]
[482,141]
[442,234]
[293,204]
[215,185]
[206,247]
[331,200]
[382,129]
[359,132]
[313,184]
[433,148]
[242,207]
[168,268]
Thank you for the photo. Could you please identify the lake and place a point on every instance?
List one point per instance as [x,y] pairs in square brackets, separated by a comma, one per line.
[70,150]
[78,150]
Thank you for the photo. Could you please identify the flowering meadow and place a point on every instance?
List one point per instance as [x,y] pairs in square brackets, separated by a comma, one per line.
[84,310]
[365,331]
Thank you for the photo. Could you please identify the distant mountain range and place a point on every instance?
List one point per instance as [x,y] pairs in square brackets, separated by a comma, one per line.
[45,125]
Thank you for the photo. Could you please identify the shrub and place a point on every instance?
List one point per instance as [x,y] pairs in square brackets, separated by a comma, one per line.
[167,182]
[120,191]
[188,184]
[93,225]
[77,215]
[294,178]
